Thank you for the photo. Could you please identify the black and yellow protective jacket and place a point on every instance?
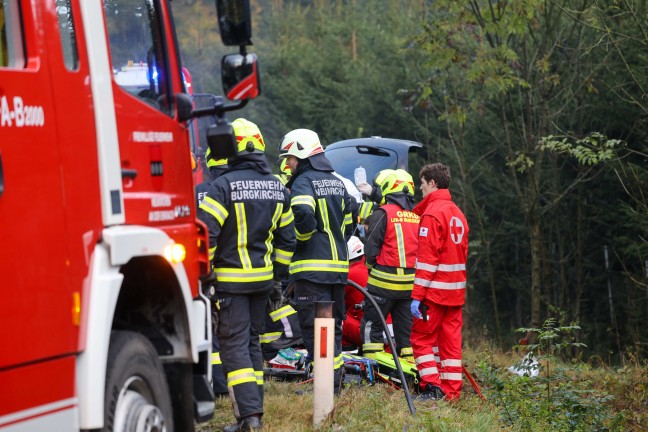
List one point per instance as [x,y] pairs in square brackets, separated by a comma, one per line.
[251,228]
[390,247]
[323,223]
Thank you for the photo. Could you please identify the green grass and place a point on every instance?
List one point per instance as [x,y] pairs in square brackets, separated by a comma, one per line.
[289,405]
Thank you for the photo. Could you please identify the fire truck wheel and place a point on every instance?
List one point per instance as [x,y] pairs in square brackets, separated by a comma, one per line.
[137,394]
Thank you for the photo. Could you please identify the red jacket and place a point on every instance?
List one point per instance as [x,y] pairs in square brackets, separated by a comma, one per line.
[442,251]
[359,274]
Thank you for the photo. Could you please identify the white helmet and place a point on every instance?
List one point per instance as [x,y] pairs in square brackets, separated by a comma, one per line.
[301,143]
[356,247]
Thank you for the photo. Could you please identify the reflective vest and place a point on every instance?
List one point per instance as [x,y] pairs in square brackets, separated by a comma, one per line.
[366,209]
[443,249]
[251,228]
[401,238]
[393,274]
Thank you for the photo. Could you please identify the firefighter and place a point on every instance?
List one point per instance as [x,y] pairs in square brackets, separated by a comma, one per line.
[284,175]
[390,254]
[323,224]
[252,239]
[439,286]
[216,168]
[353,299]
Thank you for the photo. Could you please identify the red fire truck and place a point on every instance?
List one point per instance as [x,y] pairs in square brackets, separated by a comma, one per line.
[102,321]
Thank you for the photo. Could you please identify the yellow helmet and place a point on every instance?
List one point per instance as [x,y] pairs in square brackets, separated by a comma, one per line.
[407,182]
[248,137]
[283,167]
[394,181]
[211,162]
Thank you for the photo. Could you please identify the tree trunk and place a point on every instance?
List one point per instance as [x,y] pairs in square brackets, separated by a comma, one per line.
[536,271]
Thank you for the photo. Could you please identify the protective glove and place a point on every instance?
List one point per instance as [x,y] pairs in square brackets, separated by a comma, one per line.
[414,308]
[208,285]
[365,188]
[275,294]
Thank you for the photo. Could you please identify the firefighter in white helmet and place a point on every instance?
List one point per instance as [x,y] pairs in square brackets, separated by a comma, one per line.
[251,239]
[323,223]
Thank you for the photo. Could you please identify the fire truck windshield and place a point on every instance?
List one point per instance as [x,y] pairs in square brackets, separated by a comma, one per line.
[137,51]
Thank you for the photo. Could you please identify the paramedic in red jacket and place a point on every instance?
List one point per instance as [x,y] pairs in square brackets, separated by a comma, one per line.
[439,286]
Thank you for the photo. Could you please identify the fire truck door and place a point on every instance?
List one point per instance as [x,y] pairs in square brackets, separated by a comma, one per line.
[36,320]
[153,145]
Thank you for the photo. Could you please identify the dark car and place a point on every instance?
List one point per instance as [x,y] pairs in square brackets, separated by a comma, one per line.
[373,154]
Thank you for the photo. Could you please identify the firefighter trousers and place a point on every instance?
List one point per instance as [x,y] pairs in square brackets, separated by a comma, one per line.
[240,321]
[306,294]
[219,383]
[442,329]
[372,328]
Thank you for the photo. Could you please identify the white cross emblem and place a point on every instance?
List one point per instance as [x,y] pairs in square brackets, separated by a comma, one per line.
[457,230]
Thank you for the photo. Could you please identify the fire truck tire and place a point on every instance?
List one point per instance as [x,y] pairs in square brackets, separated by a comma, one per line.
[137,395]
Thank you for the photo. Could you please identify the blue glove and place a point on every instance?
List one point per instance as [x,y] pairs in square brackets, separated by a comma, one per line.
[414,308]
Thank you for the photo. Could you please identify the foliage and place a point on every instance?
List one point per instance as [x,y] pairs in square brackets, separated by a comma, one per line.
[335,69]
[556,399]
[521,88]
[581,389]
[199,39]
[590,150]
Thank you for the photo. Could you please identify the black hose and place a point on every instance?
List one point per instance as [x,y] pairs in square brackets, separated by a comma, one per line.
[391,344]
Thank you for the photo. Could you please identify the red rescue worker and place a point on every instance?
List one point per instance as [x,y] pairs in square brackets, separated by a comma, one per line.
[353,298]
[439,287]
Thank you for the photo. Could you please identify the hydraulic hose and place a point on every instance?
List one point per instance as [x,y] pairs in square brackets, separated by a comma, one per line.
[408,397]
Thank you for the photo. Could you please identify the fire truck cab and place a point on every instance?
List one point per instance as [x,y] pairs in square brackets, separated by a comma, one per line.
[102,321]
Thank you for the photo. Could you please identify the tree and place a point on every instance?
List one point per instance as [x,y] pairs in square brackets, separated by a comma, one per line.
[502,76]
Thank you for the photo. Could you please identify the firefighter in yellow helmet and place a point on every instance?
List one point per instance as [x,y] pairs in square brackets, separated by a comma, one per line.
[390,253]
[251,239]
[284,175]
[323,224]
[216,167]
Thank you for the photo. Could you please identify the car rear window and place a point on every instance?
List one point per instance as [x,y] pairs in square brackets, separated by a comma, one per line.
[345,160]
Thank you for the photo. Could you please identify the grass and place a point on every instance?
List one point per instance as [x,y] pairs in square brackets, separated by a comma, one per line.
[288,405]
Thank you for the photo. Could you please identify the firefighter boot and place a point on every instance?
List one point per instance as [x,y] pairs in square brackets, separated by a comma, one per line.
[250,423]
[431,393]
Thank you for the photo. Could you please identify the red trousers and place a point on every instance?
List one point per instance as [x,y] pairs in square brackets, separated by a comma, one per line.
[443,330]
